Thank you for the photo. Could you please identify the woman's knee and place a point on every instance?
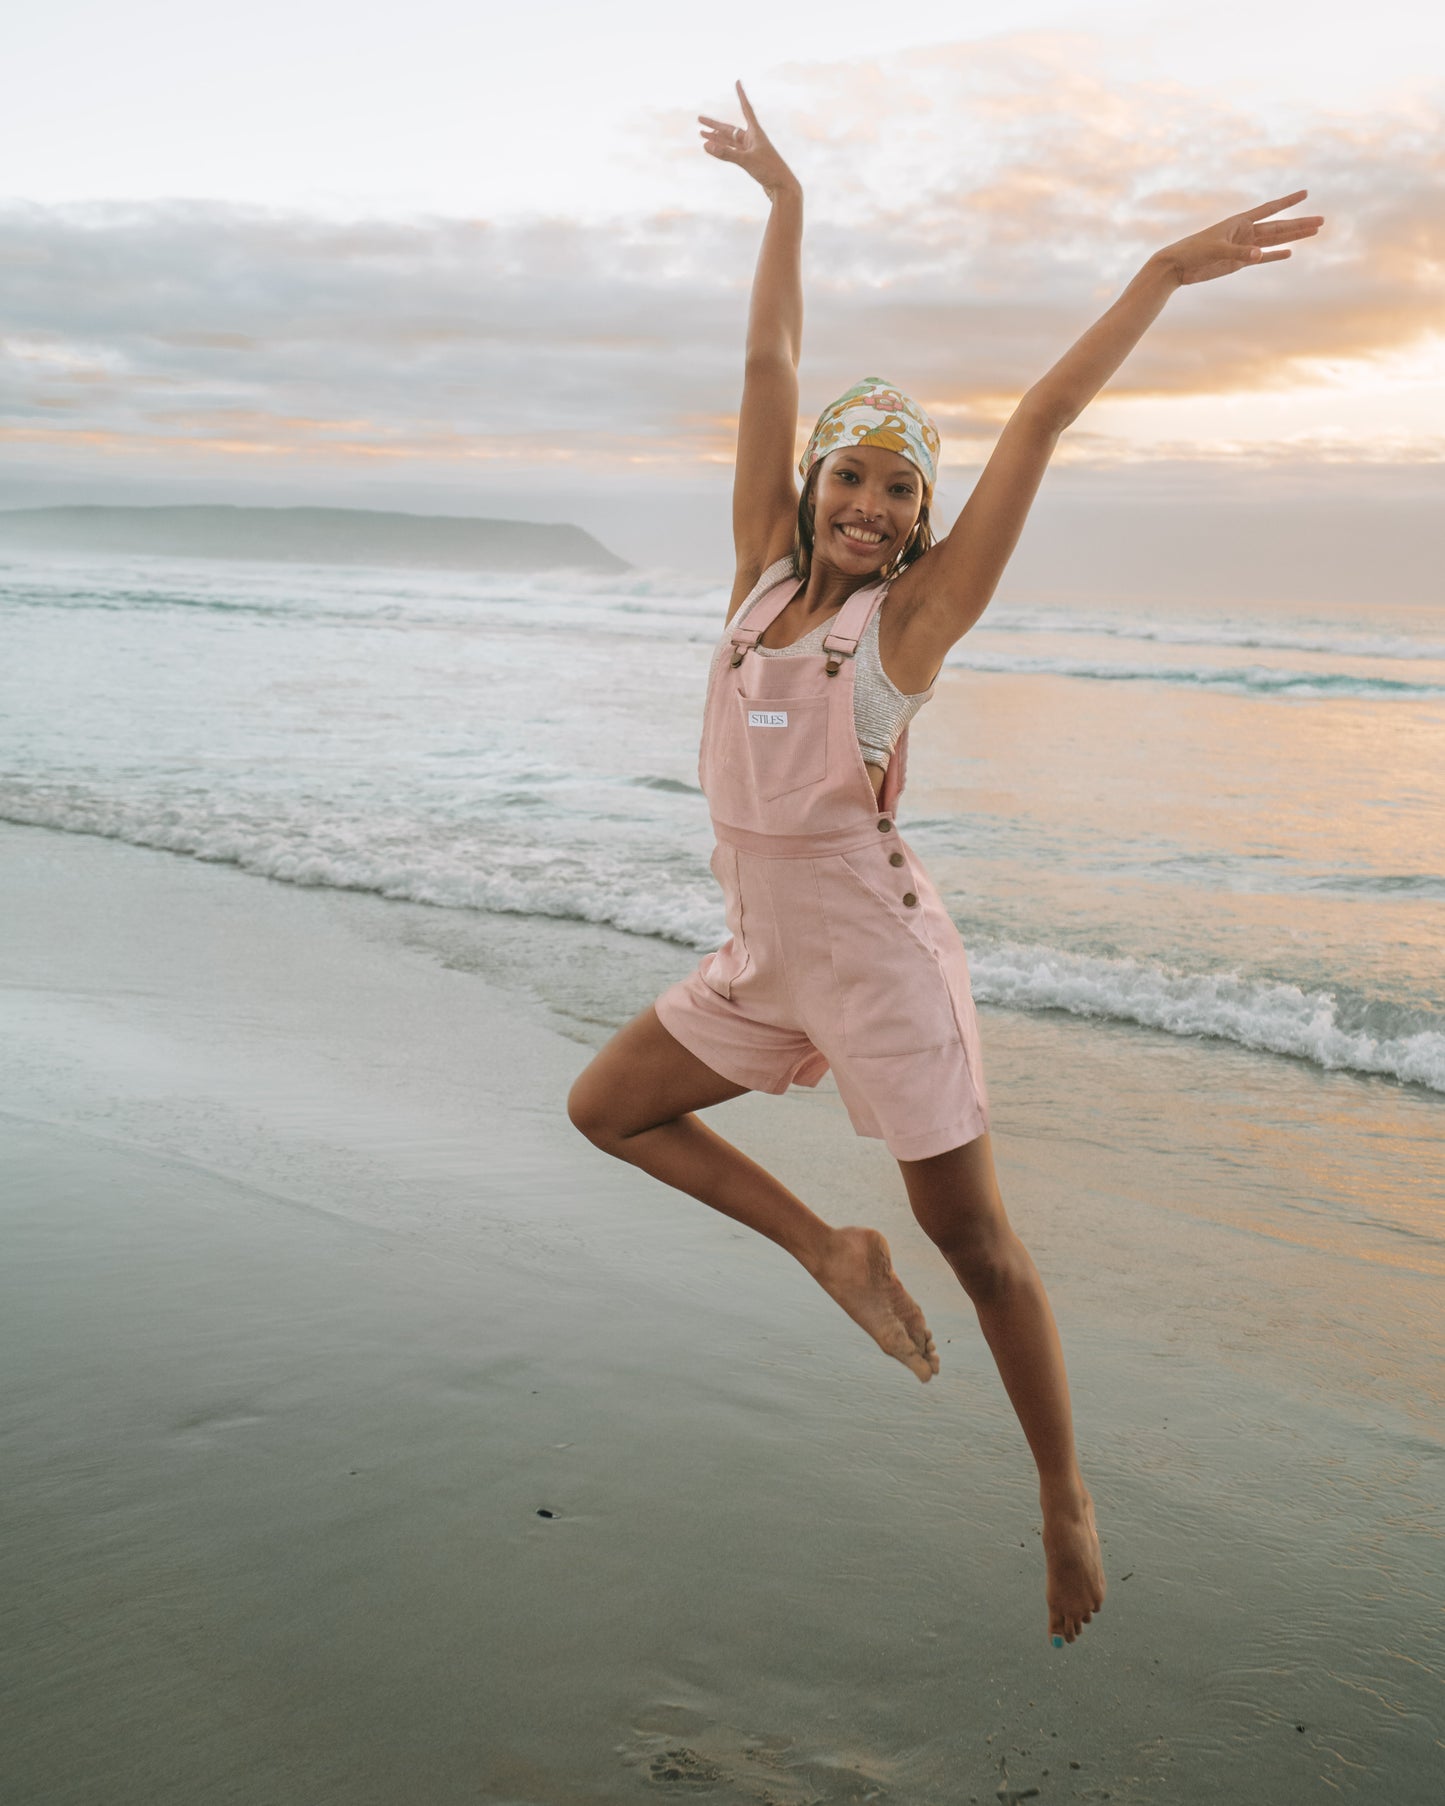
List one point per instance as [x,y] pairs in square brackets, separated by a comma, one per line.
[991,1262]
[641,1080]
[990,1270]
[590,1110]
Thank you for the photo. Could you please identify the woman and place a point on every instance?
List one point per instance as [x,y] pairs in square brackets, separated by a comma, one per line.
[840,952]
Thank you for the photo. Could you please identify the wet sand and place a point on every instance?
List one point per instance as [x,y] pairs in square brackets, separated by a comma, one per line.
[314,1303]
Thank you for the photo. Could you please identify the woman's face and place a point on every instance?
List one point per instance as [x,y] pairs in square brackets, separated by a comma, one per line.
[864,507]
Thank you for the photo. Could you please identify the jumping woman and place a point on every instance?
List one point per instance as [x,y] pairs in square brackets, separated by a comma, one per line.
[840,952]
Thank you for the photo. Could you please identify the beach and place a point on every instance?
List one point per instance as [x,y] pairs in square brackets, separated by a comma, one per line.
[385,735]
[316,1305]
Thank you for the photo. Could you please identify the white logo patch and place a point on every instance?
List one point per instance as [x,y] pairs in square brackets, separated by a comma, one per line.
[767,717]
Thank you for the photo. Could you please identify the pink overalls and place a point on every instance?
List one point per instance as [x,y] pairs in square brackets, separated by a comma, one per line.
[840,952]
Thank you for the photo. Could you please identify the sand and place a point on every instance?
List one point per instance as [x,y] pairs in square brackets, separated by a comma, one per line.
[314,1304]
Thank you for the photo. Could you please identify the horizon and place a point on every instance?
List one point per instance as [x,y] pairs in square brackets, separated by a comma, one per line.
[1173,553]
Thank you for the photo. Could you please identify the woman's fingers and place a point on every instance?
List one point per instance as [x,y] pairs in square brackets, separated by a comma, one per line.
[1241,240]
[1280,230]
[735,131]
[1267,207]
[722,139]
[1241,255]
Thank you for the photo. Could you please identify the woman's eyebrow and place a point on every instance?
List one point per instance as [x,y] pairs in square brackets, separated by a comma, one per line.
[903,473]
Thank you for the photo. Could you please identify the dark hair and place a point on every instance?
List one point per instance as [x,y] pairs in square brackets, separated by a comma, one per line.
[917,543]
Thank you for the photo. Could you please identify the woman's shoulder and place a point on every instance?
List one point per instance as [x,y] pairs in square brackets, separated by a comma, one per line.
[749,588]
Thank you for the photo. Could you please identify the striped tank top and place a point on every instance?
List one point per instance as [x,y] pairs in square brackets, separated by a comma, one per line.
[881,710]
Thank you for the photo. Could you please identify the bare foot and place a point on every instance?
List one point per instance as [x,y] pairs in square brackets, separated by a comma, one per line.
[857,1271]
[1075,1588]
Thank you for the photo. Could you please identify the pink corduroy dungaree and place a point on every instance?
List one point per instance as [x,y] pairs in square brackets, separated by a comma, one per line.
[840,952]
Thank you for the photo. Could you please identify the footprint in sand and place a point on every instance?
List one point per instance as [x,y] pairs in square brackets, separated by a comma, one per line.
[683,1768]
[761,1770]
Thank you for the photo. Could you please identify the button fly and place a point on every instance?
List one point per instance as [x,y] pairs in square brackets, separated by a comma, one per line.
[884,825]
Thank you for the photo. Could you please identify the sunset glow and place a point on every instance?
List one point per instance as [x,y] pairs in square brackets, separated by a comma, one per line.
[972,205]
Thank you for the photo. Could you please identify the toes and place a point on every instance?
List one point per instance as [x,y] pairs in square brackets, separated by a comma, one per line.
[912,1360]
[929,1352]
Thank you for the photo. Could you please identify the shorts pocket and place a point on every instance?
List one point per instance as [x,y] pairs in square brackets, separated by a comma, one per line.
[787,740]
[720,971]
[893,991]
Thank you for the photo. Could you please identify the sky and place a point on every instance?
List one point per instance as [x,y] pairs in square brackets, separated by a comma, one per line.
[463,258]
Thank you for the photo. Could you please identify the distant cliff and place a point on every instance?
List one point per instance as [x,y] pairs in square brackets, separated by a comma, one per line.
[311,536]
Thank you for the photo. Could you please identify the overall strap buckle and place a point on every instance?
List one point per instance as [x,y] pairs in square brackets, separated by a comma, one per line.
[761,618]
[744,639]
[838,646]
[850,624]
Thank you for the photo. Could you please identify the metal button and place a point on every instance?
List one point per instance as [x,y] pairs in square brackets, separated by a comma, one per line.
[884,825]
[895,859]
[909,900]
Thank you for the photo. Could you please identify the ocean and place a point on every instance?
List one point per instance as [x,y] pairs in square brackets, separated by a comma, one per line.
[1216,826]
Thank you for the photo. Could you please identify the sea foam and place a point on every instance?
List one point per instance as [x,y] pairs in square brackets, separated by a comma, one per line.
[1401,1043]
[676,901]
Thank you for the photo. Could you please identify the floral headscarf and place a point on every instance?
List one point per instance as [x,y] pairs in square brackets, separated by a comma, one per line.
[872,413]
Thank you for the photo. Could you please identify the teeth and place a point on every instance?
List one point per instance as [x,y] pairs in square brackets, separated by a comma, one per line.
[865,539]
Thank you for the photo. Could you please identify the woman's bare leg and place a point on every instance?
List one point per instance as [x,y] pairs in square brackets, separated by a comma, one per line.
[636,1101]
[955,1197]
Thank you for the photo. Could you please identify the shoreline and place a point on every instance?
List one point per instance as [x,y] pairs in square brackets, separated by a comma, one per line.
[314,1300]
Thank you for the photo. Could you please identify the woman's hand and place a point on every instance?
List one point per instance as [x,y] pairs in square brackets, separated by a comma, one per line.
[1238,241]
[749,147]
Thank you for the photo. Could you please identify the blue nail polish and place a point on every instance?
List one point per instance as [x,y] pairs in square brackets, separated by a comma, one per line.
[1058,1642]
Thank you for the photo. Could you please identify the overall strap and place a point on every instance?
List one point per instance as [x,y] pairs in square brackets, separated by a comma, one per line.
[850,624]
[759,620]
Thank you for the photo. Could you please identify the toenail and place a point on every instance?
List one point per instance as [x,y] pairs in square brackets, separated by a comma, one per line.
[1058,1642]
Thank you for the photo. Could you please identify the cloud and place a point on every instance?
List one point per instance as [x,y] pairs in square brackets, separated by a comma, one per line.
[971,209]
[1021,185]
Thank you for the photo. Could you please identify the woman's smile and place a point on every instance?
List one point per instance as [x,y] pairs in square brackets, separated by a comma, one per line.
[864,536]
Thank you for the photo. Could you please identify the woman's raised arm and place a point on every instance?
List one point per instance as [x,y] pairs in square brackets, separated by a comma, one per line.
[945,591]
[765,494]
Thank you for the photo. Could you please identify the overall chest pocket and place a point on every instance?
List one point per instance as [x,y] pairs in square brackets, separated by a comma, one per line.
[787,741]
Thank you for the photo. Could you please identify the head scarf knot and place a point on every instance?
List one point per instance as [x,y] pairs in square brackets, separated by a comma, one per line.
[872,413]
